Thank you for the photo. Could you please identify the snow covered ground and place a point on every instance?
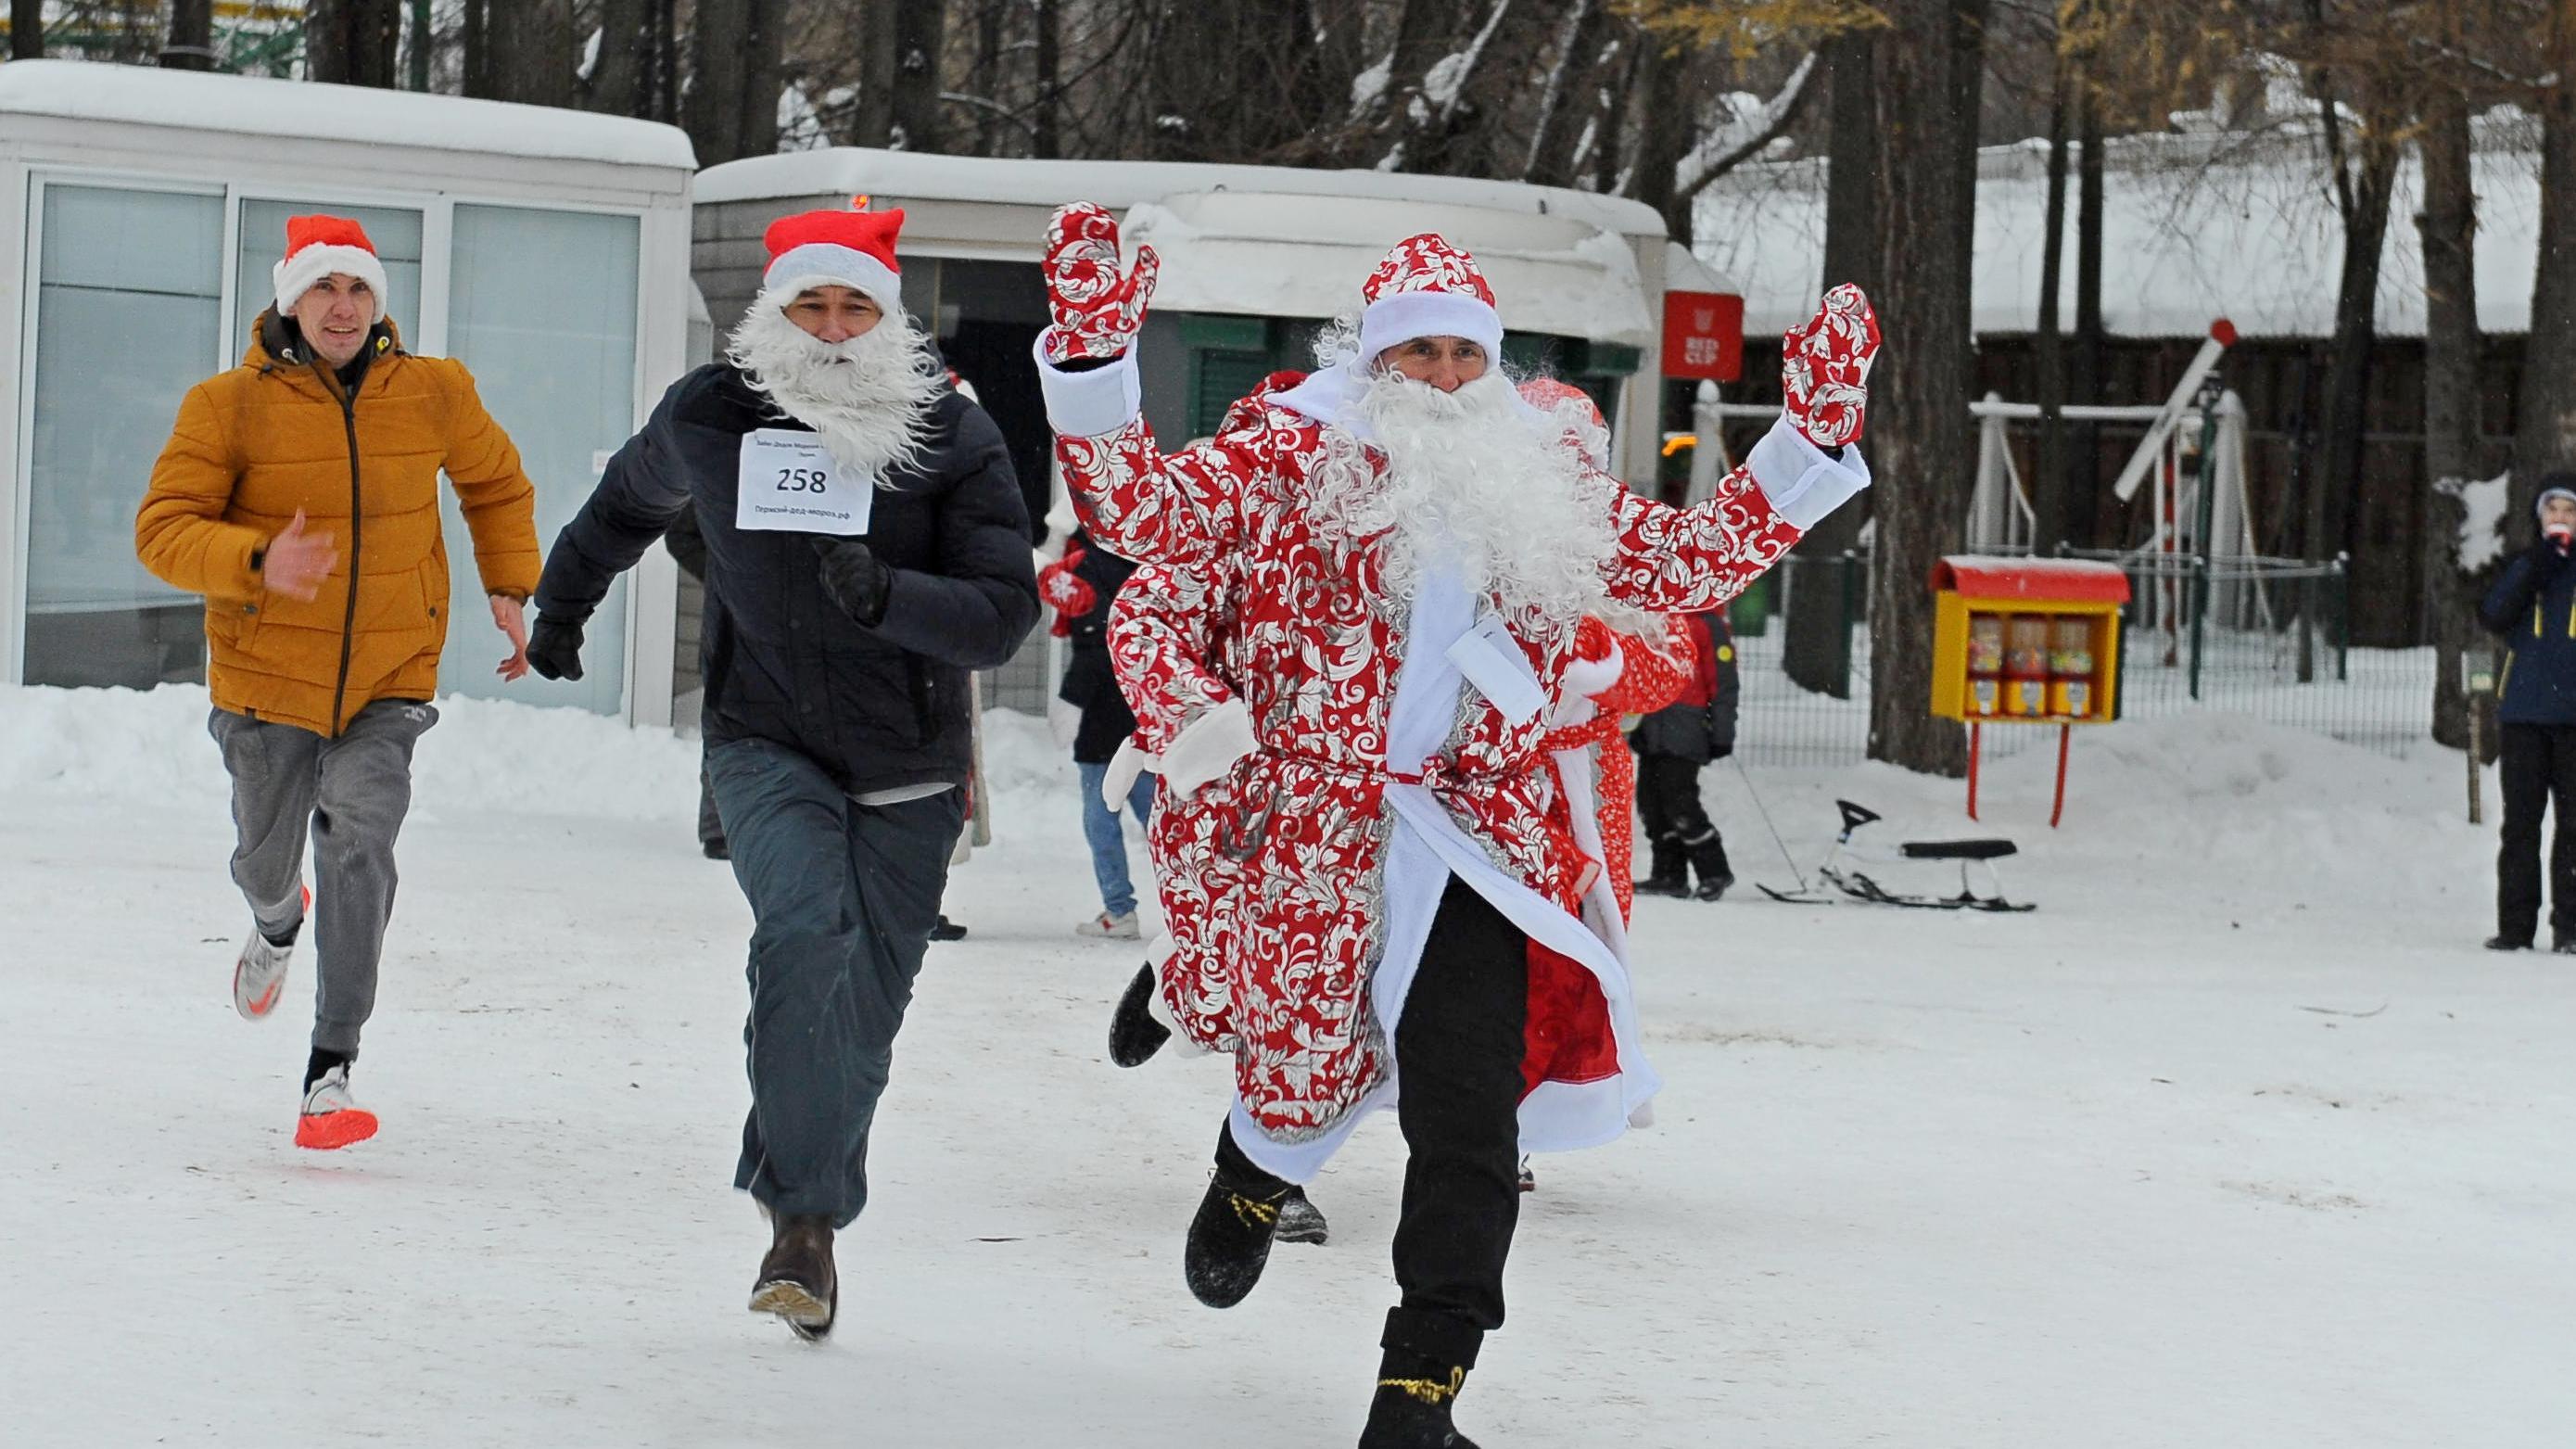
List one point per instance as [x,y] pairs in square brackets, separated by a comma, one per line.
[2239,1140]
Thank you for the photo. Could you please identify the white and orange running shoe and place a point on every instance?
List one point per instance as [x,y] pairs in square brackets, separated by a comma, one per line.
[259,973]
[332,1118]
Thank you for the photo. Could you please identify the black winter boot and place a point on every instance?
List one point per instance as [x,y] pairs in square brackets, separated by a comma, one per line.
[1134,1034]
[1669,874]
[2503,942]
[797,1280]
[1708,857]
[1412,1406]
[1230,1235]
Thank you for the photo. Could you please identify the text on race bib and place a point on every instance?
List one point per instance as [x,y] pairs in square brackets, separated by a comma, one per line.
[788,483]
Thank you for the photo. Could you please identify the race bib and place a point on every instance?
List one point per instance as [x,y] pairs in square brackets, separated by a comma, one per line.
[789,484]
[1493,662]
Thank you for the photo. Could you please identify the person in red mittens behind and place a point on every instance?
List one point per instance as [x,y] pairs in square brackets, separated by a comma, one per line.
[1079,587]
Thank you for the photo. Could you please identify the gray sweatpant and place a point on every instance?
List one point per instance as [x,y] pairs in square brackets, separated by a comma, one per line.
[843,897]
[352,793]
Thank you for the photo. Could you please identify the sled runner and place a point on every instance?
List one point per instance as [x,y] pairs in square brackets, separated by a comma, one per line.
[1841,870]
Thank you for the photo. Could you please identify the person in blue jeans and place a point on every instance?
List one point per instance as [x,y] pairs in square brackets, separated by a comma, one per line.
[1080,587]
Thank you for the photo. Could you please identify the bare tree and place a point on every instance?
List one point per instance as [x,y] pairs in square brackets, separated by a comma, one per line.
[899,93]
[1816,652]
[1931,62]
[192,36]
[636,75]
[524,50]
[731,109]
[2048,483]
[2545,424]
[352,41]
[2448,225]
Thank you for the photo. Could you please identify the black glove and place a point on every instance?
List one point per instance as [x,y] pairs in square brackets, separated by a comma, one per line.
[853,580]
[2547,558]
[554,647]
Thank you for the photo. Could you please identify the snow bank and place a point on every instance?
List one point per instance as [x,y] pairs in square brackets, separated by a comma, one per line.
[485,756]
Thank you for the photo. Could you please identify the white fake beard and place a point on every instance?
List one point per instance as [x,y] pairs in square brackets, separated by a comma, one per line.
[868,398]
[1472,479]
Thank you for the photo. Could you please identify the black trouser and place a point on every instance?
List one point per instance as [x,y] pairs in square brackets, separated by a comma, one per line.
[2538,768]
[1668,798]
[1458,1049]
[843,897]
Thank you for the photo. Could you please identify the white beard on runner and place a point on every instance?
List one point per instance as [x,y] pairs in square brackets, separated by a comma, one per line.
[868,397]
[1471,477]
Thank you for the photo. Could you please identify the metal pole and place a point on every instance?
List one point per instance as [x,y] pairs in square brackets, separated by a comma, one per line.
[2207,489]
[1851,609]
[420,45]
[2343,616]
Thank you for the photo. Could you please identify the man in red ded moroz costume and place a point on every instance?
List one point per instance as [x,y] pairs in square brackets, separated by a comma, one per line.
[1406,550]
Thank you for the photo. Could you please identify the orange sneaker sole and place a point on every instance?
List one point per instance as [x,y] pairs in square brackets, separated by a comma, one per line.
[329,1131]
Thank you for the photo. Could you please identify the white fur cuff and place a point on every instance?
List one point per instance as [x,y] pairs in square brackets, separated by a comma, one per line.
[1090,404]
[1802,483]
[1208,748]
[1124,768]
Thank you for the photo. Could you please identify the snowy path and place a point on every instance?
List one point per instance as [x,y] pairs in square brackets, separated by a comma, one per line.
[2090,1177]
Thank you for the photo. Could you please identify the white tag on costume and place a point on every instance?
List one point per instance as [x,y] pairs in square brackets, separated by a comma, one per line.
[1493,662]
[789,484]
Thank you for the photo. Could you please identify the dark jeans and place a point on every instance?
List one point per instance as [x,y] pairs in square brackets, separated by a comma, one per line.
[843,897]
[1458,1049]
[2538,769]
[710,823]
[1668,799]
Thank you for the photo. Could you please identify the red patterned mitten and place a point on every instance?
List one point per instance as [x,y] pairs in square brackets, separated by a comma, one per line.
[1066,592]
[1097,308]
[1824,368]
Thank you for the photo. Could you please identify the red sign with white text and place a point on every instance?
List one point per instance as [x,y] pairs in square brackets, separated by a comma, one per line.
[1704,335]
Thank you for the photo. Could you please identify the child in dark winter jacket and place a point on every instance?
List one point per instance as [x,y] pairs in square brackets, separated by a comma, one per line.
[1672,746]
[1080,588]
[2534,607]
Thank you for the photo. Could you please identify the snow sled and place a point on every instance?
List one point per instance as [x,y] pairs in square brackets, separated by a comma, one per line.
[1841,869]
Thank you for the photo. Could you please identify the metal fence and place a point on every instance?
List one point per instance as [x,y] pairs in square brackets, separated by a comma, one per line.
[2271,642]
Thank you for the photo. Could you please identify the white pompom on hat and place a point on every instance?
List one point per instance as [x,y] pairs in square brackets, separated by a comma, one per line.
[318,246]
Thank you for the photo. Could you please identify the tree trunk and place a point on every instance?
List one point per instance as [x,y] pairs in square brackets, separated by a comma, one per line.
[731,110]
[1047,139]
[2544,433]
[1564,102]
[634,36]
[26,29]
[2092,341]
[1667,124]
[192,36]
[529,53]
[1816,649]
[2348,366]
[2448,225]
[352,41]
[899,105]
[2048,480]
[1919,436]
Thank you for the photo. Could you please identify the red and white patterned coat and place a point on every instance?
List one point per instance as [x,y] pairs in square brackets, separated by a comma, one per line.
[1277,868]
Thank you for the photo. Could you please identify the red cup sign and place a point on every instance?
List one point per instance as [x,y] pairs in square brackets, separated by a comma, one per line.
[1704,335]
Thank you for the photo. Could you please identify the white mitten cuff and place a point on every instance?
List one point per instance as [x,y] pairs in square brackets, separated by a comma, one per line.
[1093,403]
[1209,747]
[1802,482]
[1124,767]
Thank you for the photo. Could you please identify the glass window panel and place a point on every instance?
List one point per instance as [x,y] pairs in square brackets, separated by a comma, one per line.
[128,309]
[542,307]
[396,233]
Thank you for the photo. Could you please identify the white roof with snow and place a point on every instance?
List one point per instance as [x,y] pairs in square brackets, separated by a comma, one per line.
[2195,228]
[853,170]
[257,106]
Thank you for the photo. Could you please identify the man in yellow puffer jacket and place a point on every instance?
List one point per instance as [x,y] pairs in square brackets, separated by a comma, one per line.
[299,495]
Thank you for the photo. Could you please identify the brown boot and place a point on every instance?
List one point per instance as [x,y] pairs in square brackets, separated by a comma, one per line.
[797,1281]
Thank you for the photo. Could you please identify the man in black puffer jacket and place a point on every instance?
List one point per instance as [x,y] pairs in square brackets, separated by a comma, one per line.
[866,547]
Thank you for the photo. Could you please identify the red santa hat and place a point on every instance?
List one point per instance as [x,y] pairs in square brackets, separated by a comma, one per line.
[853,249]
[317,247]
[1427,288]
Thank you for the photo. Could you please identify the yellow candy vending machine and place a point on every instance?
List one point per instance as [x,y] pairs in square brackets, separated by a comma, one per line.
[2026,641]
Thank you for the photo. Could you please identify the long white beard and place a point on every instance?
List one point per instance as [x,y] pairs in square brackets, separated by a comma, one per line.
[869,397]
[1473,481]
